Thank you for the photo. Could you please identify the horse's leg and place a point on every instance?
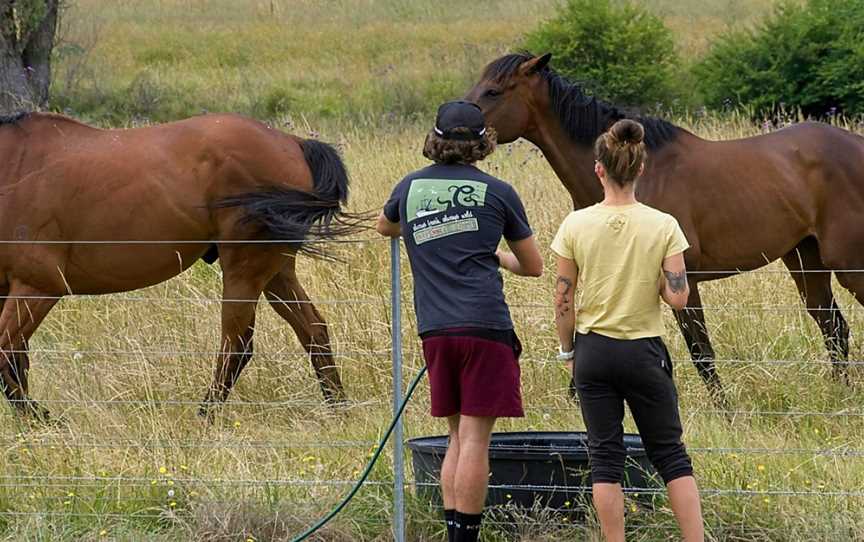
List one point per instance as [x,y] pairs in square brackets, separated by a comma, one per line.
[288,298]
[691,322]
[245,272]
[805,265]
[20,316]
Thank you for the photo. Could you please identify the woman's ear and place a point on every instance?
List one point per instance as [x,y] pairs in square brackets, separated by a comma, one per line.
[599,170]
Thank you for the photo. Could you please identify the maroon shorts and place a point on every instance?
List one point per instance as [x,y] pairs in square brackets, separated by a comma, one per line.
[474,372]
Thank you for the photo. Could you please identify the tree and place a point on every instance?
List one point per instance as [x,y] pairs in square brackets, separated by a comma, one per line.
[618,50]
[806,56]
[27,29]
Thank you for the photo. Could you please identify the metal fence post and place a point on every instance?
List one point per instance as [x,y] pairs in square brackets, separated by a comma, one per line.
[396,334]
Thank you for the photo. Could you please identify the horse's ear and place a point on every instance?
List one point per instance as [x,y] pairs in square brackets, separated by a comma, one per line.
[535,65]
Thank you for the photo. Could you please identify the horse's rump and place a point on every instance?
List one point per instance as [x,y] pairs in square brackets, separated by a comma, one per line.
[292,215]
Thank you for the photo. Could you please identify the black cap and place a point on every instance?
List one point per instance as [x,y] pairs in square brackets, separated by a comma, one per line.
[460,114]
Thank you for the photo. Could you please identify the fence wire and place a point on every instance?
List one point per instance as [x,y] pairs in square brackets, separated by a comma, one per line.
[12,483]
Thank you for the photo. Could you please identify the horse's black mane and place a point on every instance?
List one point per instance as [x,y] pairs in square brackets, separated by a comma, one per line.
[583,117]
[13,119]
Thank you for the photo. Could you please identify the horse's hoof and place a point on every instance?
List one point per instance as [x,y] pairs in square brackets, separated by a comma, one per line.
[207,412]
[32,409]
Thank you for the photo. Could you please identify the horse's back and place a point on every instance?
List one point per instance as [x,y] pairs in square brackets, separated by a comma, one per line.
[776,189]
[155,183]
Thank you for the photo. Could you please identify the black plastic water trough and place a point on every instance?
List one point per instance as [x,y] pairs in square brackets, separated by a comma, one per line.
[526,466]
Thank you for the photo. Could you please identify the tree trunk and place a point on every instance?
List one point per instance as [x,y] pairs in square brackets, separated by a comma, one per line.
[27,29]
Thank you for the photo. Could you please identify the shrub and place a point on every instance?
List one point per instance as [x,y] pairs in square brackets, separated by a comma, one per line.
[620,51]
[804,56]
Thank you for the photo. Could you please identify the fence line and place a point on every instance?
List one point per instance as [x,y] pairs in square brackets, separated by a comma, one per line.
[432,485]
[718,308]
[633,491]
[193,444]
[735,412]
[304,354]
[180,480]
[280,445]
[181,402]
[357,404]
[368,301]
[171,353]
[10,483]
[662,490]
[158,242]
[720,361]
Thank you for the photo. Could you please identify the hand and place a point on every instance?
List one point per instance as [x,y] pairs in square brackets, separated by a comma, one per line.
[506,260]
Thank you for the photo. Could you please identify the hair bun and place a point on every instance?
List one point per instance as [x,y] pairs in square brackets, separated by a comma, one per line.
[627,132]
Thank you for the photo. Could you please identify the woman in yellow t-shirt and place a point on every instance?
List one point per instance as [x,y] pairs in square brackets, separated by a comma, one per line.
[624,257]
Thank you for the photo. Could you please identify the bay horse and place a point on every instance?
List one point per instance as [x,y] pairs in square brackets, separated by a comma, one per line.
[796,194]
[91,211]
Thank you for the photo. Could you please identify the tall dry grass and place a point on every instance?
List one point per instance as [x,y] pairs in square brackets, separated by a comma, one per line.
[130,436]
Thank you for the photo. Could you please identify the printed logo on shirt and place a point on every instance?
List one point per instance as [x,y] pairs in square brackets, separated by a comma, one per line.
[439,208]
[616,222]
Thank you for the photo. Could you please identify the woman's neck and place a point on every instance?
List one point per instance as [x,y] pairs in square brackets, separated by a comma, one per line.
[617,198]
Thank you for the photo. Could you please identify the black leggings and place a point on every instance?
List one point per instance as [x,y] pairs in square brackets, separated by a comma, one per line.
[610,371]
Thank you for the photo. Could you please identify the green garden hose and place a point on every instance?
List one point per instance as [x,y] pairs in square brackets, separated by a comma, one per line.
[326,519]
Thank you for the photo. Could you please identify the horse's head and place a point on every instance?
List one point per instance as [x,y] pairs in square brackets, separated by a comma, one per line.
[511,92]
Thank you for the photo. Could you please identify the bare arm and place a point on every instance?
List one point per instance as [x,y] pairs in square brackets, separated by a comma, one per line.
[387,228]
[525,260]
[674,288]
[565,311]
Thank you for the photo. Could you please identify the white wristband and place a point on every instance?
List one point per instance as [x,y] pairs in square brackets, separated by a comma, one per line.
[564,356]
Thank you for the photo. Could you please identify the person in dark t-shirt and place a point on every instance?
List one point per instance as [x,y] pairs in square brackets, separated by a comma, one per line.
[452,217]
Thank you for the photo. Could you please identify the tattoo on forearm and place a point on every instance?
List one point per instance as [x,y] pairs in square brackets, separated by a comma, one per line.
[677,281]
[562,309]
[563,285]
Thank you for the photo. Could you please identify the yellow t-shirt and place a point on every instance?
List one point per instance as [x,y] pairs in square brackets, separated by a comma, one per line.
[619,252]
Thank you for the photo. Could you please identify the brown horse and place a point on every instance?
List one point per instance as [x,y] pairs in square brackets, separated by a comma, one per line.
[90,211]
[796,194]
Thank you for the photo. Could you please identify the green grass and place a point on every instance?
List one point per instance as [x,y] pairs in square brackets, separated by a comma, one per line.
[339,59]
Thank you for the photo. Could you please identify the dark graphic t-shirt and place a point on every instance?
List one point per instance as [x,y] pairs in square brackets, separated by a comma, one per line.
[452,218]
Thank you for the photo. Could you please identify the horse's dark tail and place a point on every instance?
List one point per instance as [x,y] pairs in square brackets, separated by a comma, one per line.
[303,219]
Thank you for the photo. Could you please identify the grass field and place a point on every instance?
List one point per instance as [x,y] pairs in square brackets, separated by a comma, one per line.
[340,59]
[133,462]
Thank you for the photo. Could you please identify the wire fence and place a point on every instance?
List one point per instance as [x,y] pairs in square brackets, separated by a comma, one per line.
[37,479]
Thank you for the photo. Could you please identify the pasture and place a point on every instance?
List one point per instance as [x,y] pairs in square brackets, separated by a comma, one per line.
[133,462]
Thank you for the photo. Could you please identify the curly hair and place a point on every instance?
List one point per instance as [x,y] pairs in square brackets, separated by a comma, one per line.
[454,151]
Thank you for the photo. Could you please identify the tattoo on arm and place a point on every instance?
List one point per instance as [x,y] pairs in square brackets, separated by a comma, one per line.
[677,281]
[563,287]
